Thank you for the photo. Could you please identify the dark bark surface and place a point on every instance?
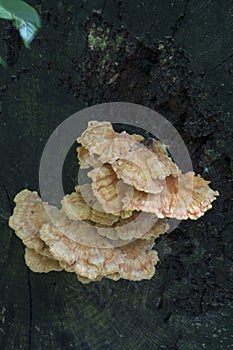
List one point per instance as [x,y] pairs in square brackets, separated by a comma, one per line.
[175,57]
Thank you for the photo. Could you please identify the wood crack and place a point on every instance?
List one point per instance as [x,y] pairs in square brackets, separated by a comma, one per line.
[30,310]
[217,65]
[7,194]
[179,21]
[103,7]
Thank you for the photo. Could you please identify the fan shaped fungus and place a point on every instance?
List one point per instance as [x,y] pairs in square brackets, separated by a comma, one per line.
[108,228]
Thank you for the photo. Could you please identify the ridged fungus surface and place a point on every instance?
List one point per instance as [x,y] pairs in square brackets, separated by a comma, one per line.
[108,228]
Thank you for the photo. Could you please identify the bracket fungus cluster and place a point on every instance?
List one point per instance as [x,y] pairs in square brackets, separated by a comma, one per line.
[108,228]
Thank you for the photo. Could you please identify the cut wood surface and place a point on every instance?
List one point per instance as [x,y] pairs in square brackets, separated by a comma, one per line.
[172,56]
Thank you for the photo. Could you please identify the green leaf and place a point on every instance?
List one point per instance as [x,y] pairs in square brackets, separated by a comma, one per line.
[4,14]
[27,30]
[24,17]
[3,63]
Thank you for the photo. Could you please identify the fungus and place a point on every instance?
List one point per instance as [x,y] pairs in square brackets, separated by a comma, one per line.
[109,190]
[88,208]
[29,215]
[132,162]
[135,260]
[40,263]
[69,245]
[108,228]
[186,196]
[146,226]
